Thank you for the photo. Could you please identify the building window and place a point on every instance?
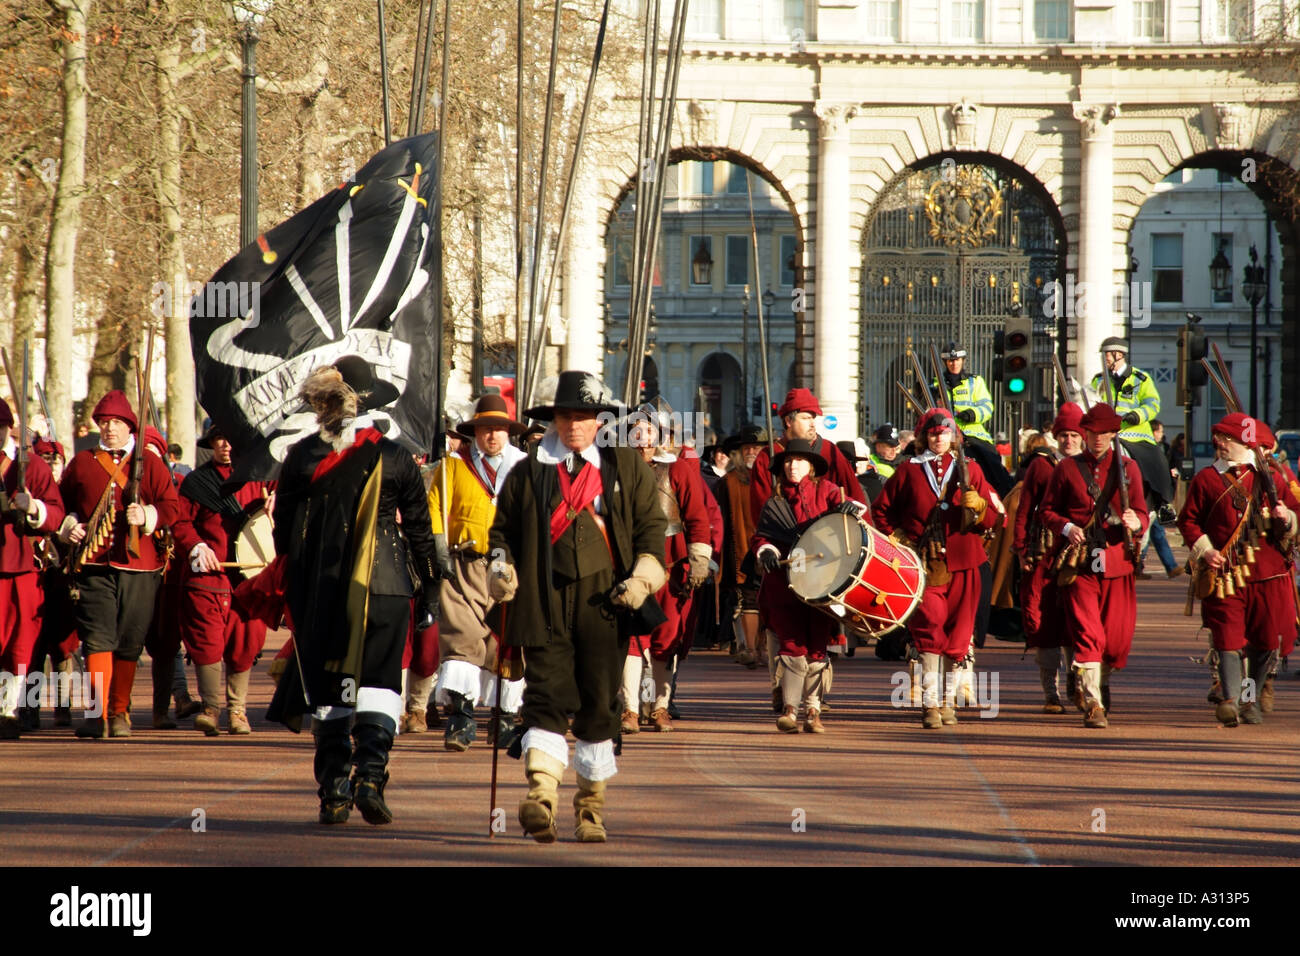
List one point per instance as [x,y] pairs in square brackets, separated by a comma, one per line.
[968,20]
[704,21]
[787,261]
[736,180]
[1222,241]
[882,20]
[785,19]
[1148,19]
[693,247]
[738,260]
[1167,264]
[700,179]
[1233,19]
[1052,19]
[622,262]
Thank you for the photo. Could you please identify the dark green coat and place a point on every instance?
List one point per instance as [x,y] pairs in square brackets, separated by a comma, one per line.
[521,533]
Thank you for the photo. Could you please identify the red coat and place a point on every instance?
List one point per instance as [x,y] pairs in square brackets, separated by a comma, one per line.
[839,473]
[1033,488]
[16,555]
[1068,502]
[1209,511]
[716,525]
[84,481]
[198,523]
[691,492]
[908,498]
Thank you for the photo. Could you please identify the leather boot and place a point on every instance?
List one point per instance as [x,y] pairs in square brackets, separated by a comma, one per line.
[416,720]
[793,672]
[956,684]
[208,720]
[537,810]
[236,701]
[1049,666]
[63,683]
[372,736]
[588,810]
[1089,678]
[462,729]
[333,764]
[1230,687]
[930,692]
[1106,671]
[631,691]
[1261,665]
[161,675]
[662,674]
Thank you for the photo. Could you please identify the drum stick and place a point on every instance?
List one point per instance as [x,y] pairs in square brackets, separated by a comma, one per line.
[848,545]
[804,557]
[242,564]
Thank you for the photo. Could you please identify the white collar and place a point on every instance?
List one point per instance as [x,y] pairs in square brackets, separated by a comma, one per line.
[1221,465]
[552,451]
[663,458]
[125,449]
[509,457]
[348,437]
[1120,371]
[716,472]
[925,456]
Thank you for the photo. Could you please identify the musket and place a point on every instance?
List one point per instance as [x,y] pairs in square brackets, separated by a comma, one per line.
[909,398]
[45,410]
[926,395]
[1117,450]
[131,494]
[963,468]
[1068,394]
[1233,399]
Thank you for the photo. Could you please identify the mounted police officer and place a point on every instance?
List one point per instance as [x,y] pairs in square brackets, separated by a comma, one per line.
[1137,402]
[972,404]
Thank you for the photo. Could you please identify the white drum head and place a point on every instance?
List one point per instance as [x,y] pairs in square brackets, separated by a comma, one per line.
[255,544]
[820,562]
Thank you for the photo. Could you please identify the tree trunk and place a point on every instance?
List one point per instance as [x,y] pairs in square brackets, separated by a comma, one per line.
[117,340]
[171,255]
[65,218]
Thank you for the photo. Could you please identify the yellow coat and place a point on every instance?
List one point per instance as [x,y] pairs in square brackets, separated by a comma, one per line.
[470,508]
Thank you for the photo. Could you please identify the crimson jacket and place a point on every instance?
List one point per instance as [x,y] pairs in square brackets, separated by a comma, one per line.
[198,522]
[1068,502]
[1208,511]
[840,473]
[909,497]
[16,555]
[1033,488]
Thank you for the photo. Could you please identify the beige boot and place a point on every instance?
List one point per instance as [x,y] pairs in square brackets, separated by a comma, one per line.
[209,679]
[588,809]
[955,683]
[930,696]
[537,810]
[663,678]
[236,700]
[1049,666]
[1089,683]
[416,719]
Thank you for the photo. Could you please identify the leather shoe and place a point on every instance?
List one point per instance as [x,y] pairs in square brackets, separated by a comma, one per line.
[662,722]
[630,725]
[119,725]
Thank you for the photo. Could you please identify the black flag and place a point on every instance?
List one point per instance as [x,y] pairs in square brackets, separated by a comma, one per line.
[355,273]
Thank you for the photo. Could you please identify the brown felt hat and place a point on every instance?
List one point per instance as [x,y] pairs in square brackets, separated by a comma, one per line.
[491,410]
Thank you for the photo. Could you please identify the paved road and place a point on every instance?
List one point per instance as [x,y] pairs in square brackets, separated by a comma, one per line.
[1163,785]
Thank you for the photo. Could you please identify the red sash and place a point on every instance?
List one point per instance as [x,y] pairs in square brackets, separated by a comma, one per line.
[576,495]
[468,459]
[364,436]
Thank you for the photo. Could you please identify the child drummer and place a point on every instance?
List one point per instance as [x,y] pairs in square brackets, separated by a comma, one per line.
[802,633]
[925,505]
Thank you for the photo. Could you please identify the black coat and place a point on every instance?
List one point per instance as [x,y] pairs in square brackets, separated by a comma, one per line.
[521,533]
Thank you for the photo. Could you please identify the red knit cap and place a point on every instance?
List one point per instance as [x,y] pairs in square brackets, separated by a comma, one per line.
[936,418]
[1068,419]
[799,400]
[43,446]
[115,405]
[1265,435]
[6,416]
[1101,418]
[1241,427]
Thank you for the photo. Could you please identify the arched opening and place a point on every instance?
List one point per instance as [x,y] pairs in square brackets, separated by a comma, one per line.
[1213,218]
[719,395]
[708,284]
[954,246]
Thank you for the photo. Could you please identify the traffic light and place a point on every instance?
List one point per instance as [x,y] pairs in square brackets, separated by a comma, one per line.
[1191,374]
[1018,347]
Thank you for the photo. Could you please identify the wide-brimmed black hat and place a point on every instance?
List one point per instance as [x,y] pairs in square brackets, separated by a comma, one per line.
[490,410]
[575,392]
[371,392]
[213,431]
[748,435]
[799,448]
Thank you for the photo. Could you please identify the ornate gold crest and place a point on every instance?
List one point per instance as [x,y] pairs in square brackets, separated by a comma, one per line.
[963,206]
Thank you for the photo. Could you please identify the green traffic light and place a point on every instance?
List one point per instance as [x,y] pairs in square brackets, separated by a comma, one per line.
[1016,385]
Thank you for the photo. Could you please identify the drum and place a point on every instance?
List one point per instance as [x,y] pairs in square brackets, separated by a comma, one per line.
[254,546]
[842,565]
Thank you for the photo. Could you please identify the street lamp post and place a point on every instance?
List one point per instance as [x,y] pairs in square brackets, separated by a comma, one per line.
[744,354]
[248,15]
[1253,286]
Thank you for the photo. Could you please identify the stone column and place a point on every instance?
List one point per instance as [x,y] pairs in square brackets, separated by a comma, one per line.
[582,303]
[834,351]
[1094,298]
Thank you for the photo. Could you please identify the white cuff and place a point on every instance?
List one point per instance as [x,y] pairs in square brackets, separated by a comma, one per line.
[512,692]
[551,744]
[194,556]
[380,700]
[701,549]
[38,519]
[594,761]
[768,547]
[1065,532]
[1201,547]
[65,529]
[458,677]
[150,519]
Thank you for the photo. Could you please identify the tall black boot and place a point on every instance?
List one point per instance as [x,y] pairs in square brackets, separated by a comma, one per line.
[333,766]
[373,736]
[461,726]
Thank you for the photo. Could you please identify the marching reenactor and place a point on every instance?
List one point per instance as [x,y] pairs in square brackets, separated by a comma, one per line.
[973,405]
[803,634]
[740,588]
[350,603]
[213,629]
[29,506]
[1039,603]
[1095,556]
[688,554]
[466,644]
[1137,401]
[116,560]
[942,514]
[583,541]
[1241,543]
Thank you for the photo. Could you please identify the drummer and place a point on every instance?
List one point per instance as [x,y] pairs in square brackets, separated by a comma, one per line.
[802,634]
[212,629]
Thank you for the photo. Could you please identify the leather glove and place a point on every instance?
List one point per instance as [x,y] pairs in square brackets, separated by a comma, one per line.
[973,503]
[429,608]
[769,559]
[966,416]
[442,556]
[647,577]
[850,507]
[701,558]
[1132,418]
[502,582]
